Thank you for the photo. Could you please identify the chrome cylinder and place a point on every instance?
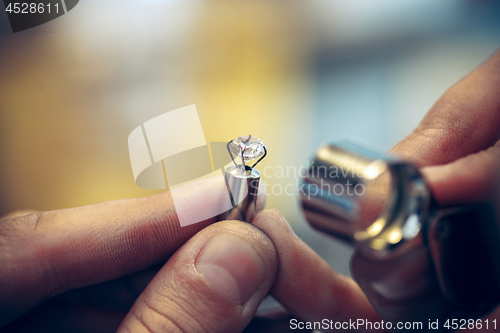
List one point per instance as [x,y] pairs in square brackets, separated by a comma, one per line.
[372,200]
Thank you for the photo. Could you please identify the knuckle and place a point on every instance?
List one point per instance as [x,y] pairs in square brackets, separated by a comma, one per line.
[22,251]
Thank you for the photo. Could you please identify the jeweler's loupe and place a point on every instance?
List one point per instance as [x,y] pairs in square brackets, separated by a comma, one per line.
[369,199]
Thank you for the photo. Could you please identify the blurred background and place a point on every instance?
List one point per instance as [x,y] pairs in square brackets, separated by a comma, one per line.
[293,73]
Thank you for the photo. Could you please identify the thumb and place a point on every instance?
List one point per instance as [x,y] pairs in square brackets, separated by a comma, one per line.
[471,179]
[213,283]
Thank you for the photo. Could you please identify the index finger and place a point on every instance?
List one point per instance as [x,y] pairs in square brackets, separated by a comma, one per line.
[465,120]
[47,253]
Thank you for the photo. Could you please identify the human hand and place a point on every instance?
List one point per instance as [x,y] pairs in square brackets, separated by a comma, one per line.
[85,268]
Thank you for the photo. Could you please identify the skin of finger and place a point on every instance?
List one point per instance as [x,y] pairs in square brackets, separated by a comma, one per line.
[474,178]
[468,180]
[16,213]
[103,305]
[47,253]
[465,120]
[306,285]
[495,314]
[403,289]
[180,299]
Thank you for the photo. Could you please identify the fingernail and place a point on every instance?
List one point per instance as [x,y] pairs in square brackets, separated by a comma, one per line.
[232,267]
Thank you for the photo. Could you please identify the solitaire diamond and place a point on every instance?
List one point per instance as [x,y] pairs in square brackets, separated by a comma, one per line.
[249,145]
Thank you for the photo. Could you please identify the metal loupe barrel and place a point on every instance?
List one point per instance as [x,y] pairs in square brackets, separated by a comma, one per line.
[369,199]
